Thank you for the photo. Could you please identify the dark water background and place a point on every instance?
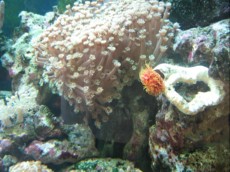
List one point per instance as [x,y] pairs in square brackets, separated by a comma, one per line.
[14,7]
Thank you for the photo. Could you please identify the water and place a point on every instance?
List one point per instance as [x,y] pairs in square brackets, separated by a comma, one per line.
[132,85]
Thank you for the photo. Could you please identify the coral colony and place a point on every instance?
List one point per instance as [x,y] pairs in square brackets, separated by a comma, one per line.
[93,50]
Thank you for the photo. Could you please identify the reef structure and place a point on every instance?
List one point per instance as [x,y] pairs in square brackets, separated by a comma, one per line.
[14,108]
[95,49]
[29,165]
[175,74]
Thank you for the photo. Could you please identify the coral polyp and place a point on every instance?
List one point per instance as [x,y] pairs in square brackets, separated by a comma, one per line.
[152,81]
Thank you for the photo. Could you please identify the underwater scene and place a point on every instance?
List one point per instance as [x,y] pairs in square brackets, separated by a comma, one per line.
[114,86]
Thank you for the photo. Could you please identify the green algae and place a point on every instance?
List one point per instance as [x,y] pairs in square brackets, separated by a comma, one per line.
[214,158]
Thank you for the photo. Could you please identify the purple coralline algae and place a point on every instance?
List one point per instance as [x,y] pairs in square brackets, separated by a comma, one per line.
[208,46]
[176,136]
[43,137]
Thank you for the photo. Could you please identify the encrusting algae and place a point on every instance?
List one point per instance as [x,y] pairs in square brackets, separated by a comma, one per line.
[152,81]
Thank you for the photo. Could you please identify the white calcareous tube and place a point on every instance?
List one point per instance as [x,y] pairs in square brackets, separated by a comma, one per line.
[177,74]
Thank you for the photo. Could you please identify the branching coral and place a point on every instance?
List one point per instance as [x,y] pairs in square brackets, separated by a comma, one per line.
[94,49]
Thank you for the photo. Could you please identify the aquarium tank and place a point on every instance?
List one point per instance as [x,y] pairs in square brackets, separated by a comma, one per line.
[114,86]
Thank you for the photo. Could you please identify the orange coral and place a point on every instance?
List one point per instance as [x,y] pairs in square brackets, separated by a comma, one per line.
[152,81]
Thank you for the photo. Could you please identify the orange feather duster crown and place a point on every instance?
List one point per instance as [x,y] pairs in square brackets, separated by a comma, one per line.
[152,81]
